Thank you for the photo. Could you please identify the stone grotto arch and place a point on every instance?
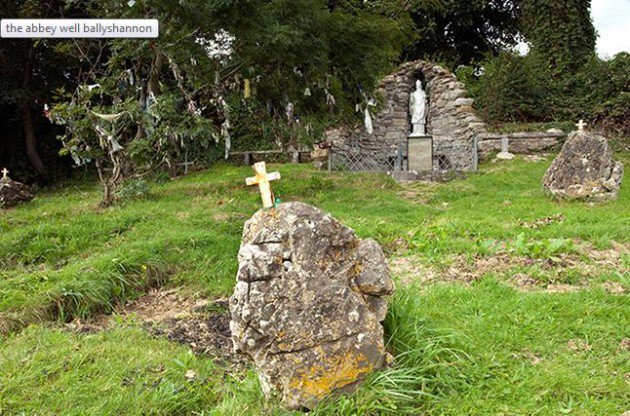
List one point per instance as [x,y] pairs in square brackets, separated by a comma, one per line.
[451,121]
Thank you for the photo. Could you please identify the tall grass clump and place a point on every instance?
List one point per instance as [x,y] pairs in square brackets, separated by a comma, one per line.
[82,289]
[429,365]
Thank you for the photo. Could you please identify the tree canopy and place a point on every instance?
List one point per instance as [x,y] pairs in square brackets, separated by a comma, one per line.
[252,74]
[560,32]
[279,66]
[463,32]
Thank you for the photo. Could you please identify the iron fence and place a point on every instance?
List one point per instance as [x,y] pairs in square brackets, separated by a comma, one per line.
[355,160]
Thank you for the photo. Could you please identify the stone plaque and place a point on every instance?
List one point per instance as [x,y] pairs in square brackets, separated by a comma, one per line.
[420,153]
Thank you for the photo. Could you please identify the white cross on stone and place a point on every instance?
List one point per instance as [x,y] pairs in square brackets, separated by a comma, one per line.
[5,173]
[262,179]
[581,125]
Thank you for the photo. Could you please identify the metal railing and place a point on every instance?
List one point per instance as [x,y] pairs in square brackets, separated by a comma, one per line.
[353,160]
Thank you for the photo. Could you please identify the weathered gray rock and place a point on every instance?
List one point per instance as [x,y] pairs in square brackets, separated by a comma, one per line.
[584,169]
[13,193]
[464,101]
[308,303]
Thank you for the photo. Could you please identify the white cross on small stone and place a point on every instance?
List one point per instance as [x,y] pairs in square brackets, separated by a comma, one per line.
[262,180]
[5,173]
[581,125]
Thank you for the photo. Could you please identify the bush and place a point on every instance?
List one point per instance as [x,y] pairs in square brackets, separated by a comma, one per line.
[133,188]
[509,88]
[613,111]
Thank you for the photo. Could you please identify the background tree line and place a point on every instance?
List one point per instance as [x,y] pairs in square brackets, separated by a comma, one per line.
[560,79]
[235,74]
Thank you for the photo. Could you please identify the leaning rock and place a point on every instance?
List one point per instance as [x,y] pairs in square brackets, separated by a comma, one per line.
[13,193]
[308,303]
[584,169]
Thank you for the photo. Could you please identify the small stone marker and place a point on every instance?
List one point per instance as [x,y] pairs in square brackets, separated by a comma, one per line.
[11,192]
[262,179]
[505,150]
[505,145]
[581,125]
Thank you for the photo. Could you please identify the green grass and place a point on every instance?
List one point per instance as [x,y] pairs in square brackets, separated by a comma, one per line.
[479,349]
[525,328]
[121,371]
[504,352]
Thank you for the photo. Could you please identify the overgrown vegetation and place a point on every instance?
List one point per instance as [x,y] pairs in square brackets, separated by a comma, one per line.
[561,34]
[462,32]
[481,347]
[264,73]
[559,79]
[242,75]
[278,72]
[514,88]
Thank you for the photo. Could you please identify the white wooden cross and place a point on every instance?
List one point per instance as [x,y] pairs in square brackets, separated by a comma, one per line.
[581,125]
[262,179]
[5,172]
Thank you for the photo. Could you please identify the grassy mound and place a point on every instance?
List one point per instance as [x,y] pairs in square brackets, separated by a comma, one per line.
[468,338]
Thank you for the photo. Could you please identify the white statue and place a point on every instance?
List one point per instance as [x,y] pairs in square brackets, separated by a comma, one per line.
[418,108]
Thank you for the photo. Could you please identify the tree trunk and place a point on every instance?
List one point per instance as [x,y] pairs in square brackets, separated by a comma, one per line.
[31,139]
[108,192]
[153,84]
[27,116]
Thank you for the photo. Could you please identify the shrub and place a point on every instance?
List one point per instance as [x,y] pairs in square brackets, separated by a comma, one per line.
[510,88]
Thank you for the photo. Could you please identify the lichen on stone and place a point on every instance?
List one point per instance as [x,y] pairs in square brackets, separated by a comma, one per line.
[584,169]
[313,329]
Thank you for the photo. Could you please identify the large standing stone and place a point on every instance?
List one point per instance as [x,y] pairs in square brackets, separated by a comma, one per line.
[584,169]
[308,303]
[13,193]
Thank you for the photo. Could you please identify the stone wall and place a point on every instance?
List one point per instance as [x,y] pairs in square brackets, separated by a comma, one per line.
[451,121]
[519,143]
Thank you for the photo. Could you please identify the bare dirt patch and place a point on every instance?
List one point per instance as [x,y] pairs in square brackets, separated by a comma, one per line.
[528,356]
[410,270]
[543,222]
[199,323]
[160,305]
[562,288]
[524,281]
[589,264]
[578,345]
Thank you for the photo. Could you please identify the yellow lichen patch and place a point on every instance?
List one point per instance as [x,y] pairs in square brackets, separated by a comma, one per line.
[356,270]
[335,372]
